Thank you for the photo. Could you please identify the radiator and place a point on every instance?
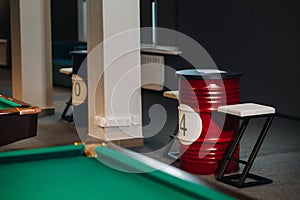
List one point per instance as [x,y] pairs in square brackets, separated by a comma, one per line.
[3,52]
[152,72]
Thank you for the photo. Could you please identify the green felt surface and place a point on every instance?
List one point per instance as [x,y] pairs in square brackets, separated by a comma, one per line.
[80,177]
[5,103]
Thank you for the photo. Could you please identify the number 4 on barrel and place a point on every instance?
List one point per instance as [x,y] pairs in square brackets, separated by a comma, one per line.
[182,125]
[190,125]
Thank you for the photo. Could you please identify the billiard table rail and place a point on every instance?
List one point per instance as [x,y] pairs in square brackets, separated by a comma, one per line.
[12,105]
[21,111]
[133,162]
[168,177]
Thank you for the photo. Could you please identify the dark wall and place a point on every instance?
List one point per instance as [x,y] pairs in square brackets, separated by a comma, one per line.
[5,27]
[64,20]
[261,39]
[167,13]
[4,19]
[63,16]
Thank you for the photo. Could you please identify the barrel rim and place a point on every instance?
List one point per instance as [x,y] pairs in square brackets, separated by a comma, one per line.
[196,74]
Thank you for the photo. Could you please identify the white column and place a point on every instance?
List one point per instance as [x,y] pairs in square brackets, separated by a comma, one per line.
[114,101]
[31,52]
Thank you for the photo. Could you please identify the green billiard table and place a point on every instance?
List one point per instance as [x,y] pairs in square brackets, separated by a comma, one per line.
[18,120]
[66,172]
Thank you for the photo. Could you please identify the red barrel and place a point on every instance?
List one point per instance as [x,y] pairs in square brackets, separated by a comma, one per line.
[204,91]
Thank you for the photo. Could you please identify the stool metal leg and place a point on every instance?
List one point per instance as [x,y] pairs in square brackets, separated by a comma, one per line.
[64,114]
[170,144]
[240,178]
[255,150]
[231,149]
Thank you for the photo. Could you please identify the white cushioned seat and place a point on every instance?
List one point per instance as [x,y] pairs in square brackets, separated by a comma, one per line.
[66,70]
[247,109]
[171,94]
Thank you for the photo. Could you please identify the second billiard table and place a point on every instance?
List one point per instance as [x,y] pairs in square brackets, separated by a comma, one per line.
[18,120]
[66,172]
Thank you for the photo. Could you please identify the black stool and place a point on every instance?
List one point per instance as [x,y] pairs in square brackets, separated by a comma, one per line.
[244,112]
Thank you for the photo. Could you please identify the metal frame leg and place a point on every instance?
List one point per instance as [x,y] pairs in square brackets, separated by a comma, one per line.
[64,114]
[231,149]
[238,180]
[255,150]
[170,144]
